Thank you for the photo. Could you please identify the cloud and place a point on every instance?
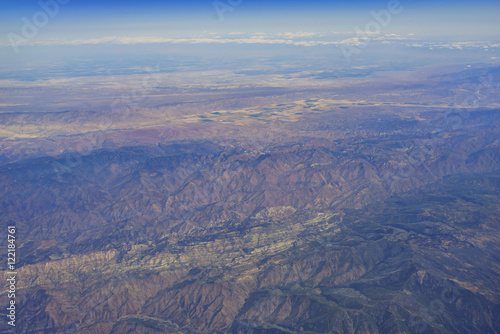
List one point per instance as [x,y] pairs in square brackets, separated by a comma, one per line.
[304,39]
[454,45]
[300,34]
[259,38]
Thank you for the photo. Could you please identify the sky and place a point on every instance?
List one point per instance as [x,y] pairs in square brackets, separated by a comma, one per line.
[54,23]
[87,19]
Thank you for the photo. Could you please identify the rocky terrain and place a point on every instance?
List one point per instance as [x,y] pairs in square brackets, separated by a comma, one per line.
[317,215]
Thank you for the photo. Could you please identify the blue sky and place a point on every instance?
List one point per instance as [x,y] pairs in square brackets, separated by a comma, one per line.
[126,21]
[91,18]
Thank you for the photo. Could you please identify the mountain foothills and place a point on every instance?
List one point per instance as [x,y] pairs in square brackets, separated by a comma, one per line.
[340,210]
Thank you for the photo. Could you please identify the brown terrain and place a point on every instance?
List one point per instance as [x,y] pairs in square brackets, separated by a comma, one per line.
[341,210]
